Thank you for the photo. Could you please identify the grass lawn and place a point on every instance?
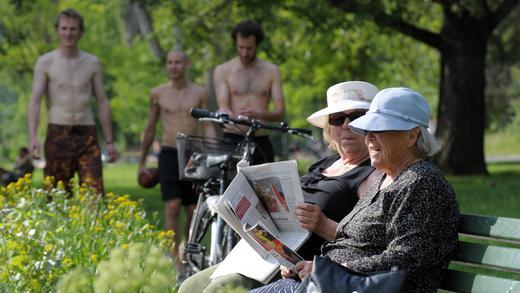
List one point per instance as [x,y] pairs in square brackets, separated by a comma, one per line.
[502,144]
[497,194]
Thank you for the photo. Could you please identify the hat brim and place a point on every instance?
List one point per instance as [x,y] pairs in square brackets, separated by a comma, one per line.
[321,118]
[380,122]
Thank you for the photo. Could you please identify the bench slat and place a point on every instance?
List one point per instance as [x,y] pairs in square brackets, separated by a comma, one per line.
[464,282]
[502,257]
[499,227]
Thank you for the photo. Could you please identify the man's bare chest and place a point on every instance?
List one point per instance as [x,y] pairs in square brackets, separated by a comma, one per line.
[70,74]
[248,83]
[177,103]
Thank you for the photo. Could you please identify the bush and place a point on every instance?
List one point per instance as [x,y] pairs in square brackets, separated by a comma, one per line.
[134,269]
[40,241]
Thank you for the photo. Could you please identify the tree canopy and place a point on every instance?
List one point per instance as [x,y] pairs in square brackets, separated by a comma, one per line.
[315,43]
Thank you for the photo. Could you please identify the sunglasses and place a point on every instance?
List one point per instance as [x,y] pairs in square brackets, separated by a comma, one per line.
[338,119]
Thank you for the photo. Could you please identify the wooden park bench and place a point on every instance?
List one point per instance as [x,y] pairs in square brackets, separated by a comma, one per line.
[487,258]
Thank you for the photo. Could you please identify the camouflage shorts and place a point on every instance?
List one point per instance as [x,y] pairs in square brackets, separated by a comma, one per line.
[70,149]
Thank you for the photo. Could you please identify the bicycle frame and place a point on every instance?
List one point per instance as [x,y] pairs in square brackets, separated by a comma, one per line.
[205,217]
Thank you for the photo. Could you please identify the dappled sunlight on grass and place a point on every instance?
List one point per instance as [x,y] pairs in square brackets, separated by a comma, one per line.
[497,194]
[502,144]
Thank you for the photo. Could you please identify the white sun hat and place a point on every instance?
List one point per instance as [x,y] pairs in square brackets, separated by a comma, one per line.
[394,109]
[344,96]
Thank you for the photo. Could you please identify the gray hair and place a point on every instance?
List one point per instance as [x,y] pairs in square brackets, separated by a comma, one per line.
[427,145]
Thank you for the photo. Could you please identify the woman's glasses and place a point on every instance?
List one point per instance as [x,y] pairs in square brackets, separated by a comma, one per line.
[338,119]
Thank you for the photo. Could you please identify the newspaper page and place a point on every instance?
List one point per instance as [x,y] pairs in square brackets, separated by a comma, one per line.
[278,187]
[281,252]
[245,260]
[239,205]
[271,204]
[245,204]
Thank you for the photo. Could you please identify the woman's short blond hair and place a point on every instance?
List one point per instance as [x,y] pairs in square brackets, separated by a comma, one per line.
[328,137]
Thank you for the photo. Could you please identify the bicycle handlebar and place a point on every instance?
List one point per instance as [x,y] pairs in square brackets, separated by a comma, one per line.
[224,118]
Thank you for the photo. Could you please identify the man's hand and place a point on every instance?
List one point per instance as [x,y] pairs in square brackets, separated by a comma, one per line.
[248,112]
[34,148]
[310,216]
[143,169]
[112,153]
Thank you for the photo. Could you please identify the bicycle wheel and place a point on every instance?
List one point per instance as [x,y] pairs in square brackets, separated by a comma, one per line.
[230,239]
[194,249]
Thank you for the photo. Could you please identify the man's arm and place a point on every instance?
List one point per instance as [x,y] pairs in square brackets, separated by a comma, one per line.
[149,132]
[38,90]
[104,111]
[209,130]
[222,90]
[278,112]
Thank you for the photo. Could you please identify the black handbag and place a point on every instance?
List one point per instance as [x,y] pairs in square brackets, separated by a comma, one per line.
[329,276]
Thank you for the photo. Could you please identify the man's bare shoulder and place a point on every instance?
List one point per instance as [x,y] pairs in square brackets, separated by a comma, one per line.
[271,67]
[158,90]
[226,66]
[198,89]
[47,58]
[89,57]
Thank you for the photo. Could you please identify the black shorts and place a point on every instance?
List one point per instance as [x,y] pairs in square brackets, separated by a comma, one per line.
[171,186]
[264,151]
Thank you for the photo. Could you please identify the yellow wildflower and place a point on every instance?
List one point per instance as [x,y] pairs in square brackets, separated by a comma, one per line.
[67,261]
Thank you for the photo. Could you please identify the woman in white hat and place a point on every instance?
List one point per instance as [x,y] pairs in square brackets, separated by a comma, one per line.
[331,188]
[409,218]
[334,184]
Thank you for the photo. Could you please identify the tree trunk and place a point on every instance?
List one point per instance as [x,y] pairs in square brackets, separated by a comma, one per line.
[461,112]
[137,21]
[129,21]
[145,27]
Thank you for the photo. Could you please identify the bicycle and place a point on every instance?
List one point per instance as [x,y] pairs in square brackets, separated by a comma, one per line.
[210,162]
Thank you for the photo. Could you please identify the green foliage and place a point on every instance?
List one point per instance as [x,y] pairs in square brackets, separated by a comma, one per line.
[137,268]
[41,240]
[503,76]
[315,45]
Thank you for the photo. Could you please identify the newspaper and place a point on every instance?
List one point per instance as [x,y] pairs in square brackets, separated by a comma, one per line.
[281,252]
[262,197]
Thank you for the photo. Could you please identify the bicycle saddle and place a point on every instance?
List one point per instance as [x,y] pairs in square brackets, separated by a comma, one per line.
[215,160]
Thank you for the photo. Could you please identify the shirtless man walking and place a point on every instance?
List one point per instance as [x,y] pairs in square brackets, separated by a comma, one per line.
[245,86]
[68,78]
[171,102]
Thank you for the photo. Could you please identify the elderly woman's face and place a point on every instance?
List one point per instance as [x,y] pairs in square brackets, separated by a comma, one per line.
[389,149]
[345,140]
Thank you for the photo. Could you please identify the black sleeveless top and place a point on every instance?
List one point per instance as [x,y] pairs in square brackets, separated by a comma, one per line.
[336,195]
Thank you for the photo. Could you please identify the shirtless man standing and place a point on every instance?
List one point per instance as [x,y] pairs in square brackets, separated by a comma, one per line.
[68,78]
[171,102]
[245,85]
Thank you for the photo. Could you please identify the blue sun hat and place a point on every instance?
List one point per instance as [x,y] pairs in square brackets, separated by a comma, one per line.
[397,108]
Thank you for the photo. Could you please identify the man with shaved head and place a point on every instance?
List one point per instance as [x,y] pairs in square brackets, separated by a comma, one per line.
[171,103]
